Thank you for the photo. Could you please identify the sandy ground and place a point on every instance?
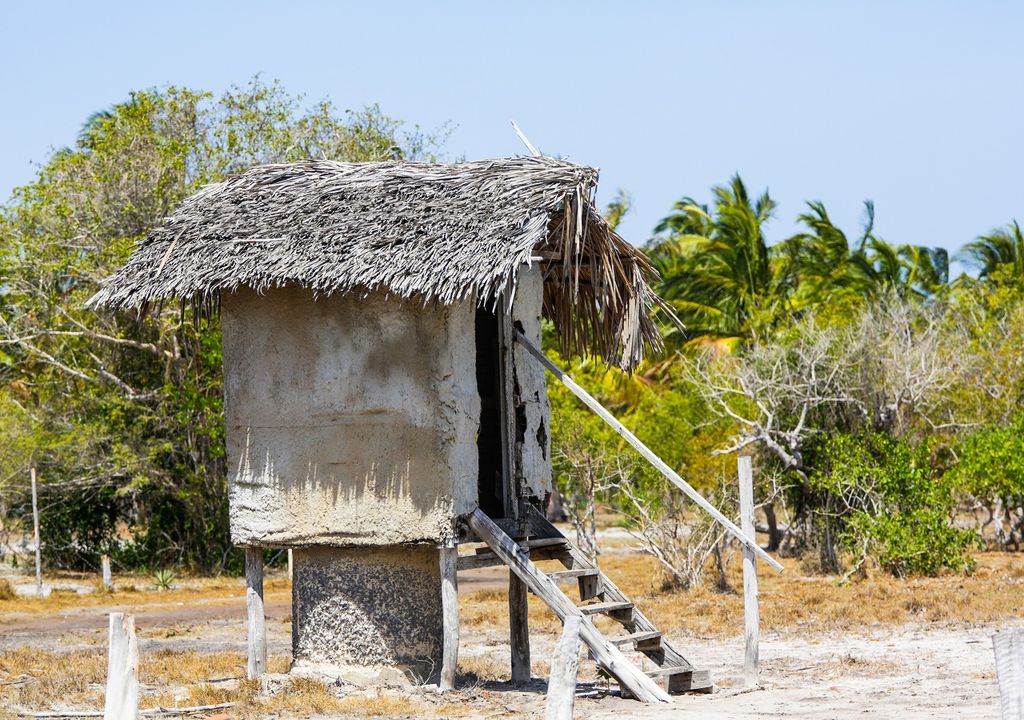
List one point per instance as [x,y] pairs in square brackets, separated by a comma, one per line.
[934,671]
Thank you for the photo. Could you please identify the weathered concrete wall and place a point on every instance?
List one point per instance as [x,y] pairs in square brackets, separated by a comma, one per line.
[350,420]
[533,411]
[368,615]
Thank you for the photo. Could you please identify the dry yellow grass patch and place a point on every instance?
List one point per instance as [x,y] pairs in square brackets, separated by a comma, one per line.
[135,591]
[792,599]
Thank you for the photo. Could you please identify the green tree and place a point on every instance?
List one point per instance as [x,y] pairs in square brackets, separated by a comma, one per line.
[123,413]
[717,270]
[998,255]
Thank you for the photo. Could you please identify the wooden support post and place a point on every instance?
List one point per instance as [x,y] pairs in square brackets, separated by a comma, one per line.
[35,527]
[565,663]
[751,615]
[122,696]
[290,572]
[257,664]
[519,628]
[449,615]
[1009,650]
[108,582]
[645,451]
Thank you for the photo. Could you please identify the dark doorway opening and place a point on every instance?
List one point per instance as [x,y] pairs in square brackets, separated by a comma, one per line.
[490,483]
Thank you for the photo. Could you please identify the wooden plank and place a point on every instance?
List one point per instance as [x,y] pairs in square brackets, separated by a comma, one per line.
[606,654]
[751,617]
[1009,650]
[35,530]
[519,628]
[559,575]
[605,607]
[257,623]
[121,701]
[634,638]
[506,375]
[449,615]
[645,451]
[564,666]
[471,562]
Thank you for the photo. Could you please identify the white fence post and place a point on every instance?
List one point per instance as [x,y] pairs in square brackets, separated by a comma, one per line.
[751,616]
[564,665]
[35,527]
[122,697]
[108,582]
[1009,649]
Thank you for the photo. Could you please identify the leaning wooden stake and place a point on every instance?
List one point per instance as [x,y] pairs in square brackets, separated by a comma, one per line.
[449,615]
[35,527]
[257,664]
[646,452]
[565,663]
[751,615]
[1009,649]
[122,698]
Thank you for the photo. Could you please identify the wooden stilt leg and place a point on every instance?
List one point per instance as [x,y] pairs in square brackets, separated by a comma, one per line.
[257,664]
[519,629]
[450,616]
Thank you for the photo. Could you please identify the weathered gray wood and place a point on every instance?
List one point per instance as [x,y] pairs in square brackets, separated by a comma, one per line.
[449,615]
[751,614]
[564,666]
[506,401]
[257,623]
[658,650]
[1009,650]
[606,654]
[645,451]
[121,701]
[519,627]
[108,582]
[35,531]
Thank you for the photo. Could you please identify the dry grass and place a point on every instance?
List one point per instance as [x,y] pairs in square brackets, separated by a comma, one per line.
[127,593]
[793,600]
[7,590]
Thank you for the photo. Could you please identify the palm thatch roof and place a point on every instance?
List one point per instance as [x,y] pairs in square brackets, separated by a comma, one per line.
[443,232]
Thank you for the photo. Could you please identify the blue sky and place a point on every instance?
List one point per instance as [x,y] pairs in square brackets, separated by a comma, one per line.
[915,105]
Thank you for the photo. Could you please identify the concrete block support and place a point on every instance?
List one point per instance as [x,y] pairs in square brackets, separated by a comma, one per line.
[368,615]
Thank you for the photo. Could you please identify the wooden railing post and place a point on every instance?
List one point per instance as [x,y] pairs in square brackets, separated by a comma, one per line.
[449,615]
[751,614]
[564,666]
[257,623]
[122,695]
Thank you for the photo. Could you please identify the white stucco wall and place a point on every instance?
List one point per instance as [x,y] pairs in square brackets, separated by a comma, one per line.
[350,420]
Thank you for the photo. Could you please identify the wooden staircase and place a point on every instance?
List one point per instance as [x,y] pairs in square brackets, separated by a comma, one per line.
[598,596]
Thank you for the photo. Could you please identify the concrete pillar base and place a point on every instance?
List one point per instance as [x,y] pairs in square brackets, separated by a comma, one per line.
[369,615]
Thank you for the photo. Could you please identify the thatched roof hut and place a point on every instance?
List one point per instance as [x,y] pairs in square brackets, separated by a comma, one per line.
[440,232]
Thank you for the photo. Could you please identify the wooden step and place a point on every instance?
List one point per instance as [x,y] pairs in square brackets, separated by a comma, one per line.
[683,678]
[560,575]
[605,607]
[635,638]
[555,542]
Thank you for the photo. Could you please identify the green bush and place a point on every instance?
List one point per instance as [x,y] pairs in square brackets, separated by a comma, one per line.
[891,504]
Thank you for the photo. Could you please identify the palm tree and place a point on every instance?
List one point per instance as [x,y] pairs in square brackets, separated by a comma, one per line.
[717,271]
[1000,253]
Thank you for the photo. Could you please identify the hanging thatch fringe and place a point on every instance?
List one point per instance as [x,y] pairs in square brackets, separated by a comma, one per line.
[445,232]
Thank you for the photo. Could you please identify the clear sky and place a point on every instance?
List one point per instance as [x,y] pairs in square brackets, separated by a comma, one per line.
[915,105]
